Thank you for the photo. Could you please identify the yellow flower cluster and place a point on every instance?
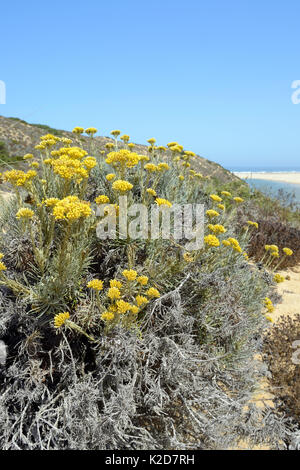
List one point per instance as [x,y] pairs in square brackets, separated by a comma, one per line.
[238,199]
[163,166]
[123,158]
[217,228]
[2,265]
[102,199]
[233,242]
[119,305]
[151,167]
[60,319]
[69,162]
[151,191]
[287,251]
[91,131]
[274,250]
[212,213]
[122,185]
[278,278]
[71,208]
[212,240]
[78,130]
[130,274]
[24,213]
[19,177]
[95,284]
[226,193]
[163,202]
[253,224]
[268,304]
[215,198]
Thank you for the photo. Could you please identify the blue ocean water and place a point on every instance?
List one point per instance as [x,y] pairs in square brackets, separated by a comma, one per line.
[272,188]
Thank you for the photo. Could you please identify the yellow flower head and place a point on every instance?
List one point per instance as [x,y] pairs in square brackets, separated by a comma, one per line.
[153,293]
[78,130]
[91,131]
[141,300]
[188,257]
[268,304]
[2,266]
[134,309]
[151,191]
[113,293]
[215,198]
[123,158]
[143,280]
[163,202]
[217,228]
[89,162]
[95,284]
[60,319]
[226,193]
[121,185]
[212,240]
[66,141]
[115,133]
[221,206]
[28,156]
[151,141]
[109,146]
[72,208]
[271,247]
[125,138]
[24,213]
[102,199]
[287,251]
[235,244]
[123,306]
[253,224]
[163,166]
[151,167]
[278,278]
[212,213]
[107,316]
[130,274]
[110,176]
[19,177]
[50,202]
[115,283]
[238,199]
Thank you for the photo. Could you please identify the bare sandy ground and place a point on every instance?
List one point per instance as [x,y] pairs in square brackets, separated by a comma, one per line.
[283,177]
[289,305]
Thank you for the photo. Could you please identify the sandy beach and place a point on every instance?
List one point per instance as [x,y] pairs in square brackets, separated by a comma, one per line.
[284,177]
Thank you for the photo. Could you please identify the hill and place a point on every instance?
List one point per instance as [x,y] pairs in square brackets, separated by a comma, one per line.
[18,137]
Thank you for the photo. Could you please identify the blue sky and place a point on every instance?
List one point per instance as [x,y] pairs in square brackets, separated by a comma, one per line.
[213,75]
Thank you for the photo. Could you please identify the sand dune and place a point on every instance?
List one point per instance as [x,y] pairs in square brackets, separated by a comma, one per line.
[284,177]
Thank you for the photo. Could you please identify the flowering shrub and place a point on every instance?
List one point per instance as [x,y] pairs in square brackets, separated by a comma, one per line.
[124,343]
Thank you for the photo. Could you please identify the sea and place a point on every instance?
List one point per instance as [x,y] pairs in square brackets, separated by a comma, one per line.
[277,189]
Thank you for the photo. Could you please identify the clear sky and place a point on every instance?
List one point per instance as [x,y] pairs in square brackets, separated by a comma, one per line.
[213,75]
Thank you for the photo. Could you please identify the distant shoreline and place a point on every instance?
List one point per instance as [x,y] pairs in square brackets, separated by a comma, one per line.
[283,177]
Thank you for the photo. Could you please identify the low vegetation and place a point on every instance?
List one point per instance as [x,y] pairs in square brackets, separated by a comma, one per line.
[130,343]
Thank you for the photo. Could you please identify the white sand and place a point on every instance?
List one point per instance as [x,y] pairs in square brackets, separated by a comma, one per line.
[284,177]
